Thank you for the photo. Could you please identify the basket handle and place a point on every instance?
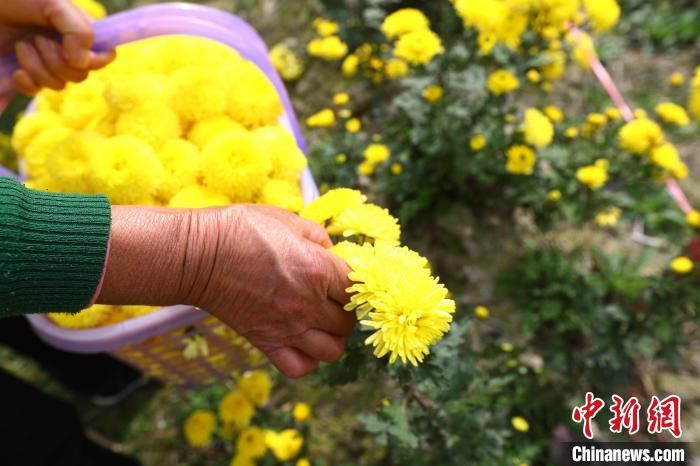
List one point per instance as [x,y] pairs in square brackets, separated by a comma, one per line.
[178,19]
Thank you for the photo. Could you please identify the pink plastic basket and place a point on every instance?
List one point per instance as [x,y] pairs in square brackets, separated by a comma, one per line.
[155,343]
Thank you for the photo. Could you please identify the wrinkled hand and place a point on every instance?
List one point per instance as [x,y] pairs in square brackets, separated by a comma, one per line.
[263,271]
[267,273]
[27,26]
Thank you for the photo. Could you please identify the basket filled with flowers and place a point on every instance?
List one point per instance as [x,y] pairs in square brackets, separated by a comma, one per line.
[179,119]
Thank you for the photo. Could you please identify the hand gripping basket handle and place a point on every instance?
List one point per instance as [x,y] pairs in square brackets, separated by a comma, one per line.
[178,19]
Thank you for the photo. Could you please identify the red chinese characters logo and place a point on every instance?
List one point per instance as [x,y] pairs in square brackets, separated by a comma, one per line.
[662,415]
[625,415]
[665,415]
[587,412]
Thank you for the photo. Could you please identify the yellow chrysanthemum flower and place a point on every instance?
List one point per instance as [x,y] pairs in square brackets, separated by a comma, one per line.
[404,21]
[554,195]
[604,14]
[418,47]
[236,409]
[30,126]
[537,128]
[502,82]
[323,119]
[325,27]
[285,61]
[482,312]
[35,156]
[83,105]
[234,163]
[613,113]
[251,442]
[571,132]
[608,218]
[69,163]
[367,222]
[396,68]
[640,136]
[91,7]
[341,98]
[672,113]
[199,428]
[303,462]
[126,92]
[180,160]
[676,79]
[283,194]
[301,412]
[376,153]
[327,48]
[350,65]
[533,76]
[204,131]
[555,64]
[554,113]
[253,100]
[198,197]
[521,160]
[288,161]
[584,50]
[353,125]
[667,157]
[520,424]
[694,94]
[482,15]
[477,143]
[331,204]
[682,265]
[692,218]
[125,169]
[396,296]
[256,385]
[153,124]
[433,93]
[593,176]
[487,42]
[197,93]
[284,445]
[242,460]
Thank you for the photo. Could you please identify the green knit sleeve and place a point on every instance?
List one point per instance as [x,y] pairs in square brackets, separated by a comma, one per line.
[52,249]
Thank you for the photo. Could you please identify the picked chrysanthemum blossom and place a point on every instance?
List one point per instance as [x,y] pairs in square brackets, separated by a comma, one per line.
[396,296]
[394,293]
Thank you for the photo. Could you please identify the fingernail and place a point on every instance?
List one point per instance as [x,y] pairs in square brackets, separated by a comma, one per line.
[21,46]
[43,44]
[77,55]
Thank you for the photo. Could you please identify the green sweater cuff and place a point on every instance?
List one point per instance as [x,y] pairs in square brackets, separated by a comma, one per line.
[52,249]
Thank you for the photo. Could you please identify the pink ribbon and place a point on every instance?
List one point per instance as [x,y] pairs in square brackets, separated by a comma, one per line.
[603,76]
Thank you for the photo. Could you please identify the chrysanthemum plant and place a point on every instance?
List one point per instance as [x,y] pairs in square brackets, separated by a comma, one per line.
[495,119]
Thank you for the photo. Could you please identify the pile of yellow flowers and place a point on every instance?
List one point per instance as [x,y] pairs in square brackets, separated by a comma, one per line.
[236,413]
[165,124]
[394,293]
